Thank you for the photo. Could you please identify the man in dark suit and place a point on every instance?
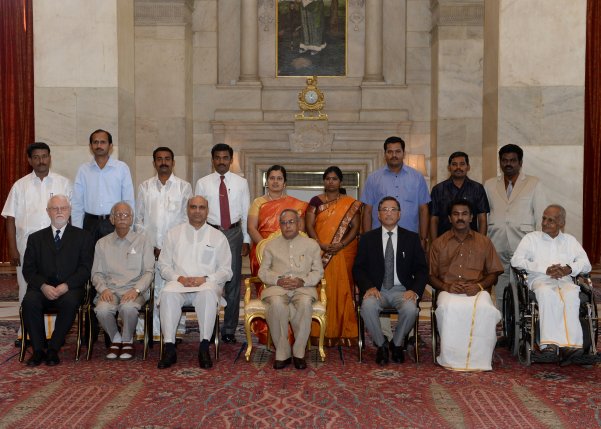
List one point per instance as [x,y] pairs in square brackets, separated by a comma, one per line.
[56,266]
[391,271]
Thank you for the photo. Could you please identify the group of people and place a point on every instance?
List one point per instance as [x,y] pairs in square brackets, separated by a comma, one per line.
[461,238]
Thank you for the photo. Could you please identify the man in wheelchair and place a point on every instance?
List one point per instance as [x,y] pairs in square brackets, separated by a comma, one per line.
[551,259]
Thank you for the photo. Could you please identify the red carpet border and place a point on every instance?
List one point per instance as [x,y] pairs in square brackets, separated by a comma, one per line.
[103,394]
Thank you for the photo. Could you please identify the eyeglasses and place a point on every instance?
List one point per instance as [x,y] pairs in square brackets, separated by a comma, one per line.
[389,209]
[57,209]
[120,215]
[288,222]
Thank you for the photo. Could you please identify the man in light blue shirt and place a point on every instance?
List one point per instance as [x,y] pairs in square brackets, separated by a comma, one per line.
[403,183]
[99,185]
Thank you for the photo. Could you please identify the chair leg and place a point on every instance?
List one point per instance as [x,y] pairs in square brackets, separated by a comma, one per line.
[216,333]
[359,334]
[80,312]
[89,323]
[147,327]
[416,338]
[249,342]
[322,334]
[23,336]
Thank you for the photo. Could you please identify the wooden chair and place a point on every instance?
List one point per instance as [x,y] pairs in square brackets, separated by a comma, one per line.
[146,310]
[81,310]
[255,308]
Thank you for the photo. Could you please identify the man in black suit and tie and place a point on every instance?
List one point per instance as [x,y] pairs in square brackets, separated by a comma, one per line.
[391,271]
[56,266]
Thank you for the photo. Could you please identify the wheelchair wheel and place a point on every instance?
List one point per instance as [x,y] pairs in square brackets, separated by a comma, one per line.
[511,315]
[524,353]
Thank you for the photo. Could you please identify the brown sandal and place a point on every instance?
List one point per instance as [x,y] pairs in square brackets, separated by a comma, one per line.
[114,351]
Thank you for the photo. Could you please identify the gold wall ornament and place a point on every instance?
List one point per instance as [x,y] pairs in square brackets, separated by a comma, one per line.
[311,101]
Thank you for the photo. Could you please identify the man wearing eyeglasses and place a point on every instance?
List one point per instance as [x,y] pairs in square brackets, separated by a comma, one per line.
[290,269]
[25,208]
[56,266]
[390,270]
[122,272]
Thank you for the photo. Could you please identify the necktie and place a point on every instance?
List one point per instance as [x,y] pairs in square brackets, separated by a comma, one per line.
[509,189]
[388,264]
[224,205]
[57,238]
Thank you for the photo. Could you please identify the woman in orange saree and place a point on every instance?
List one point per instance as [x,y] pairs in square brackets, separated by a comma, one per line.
[264,219]
[333,219]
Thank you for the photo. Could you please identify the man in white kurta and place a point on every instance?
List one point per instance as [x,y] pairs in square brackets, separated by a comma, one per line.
[195,262]
[290,269]
[25,208]
[551,259]
[160,205]
[516,204]
[463,268]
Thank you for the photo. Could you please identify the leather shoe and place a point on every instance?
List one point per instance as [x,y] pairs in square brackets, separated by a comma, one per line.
[228,338]
[397,353]
[18,343]
[382,354]
[169,358]
[36,358]
[299,363]
[281,364]
[204,359]
[52,358]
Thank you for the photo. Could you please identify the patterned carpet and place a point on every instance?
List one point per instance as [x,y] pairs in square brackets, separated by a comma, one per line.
[335,394]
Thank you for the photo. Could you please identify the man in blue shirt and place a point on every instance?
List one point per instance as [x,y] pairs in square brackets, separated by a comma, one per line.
[99,185]
[403,183]
[457,187]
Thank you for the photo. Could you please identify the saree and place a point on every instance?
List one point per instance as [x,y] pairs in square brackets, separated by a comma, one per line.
[332,221]
[269,222]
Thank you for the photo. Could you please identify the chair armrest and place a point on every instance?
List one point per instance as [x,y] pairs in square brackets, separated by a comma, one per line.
[584,281]
[247,283]
[322,293]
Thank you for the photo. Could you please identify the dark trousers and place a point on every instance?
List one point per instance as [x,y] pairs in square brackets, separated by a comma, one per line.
[34,305]
[232,288]
[97,227]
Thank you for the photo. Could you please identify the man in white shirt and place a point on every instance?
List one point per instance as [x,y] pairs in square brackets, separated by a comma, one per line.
[551,259]
[25,208]
[161,204]
[99,185]
[228,195]
[195,262]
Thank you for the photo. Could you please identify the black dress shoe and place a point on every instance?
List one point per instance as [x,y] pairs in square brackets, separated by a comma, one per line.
[281,364]
[568,353]
[36,358]
[299,363]
[382,354]
[397,353]
[18,343]
[52,358]
[228,338]
[204,359]
[169,358]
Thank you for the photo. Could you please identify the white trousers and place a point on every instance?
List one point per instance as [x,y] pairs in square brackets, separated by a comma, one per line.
[558,306]
[204,299]
[467,328]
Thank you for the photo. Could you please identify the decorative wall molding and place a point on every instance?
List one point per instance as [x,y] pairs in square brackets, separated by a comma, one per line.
[163,12]
[457,13]
[267,14]
[356,14]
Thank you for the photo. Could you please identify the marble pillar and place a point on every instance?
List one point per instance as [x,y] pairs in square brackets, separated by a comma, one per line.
[83,78]
[535,96]
[249,57]
[163,72]
[457,50]
[373,41]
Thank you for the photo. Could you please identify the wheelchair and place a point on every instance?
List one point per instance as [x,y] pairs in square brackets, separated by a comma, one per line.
[521,320]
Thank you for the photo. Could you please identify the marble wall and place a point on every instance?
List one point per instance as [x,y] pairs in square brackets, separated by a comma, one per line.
[539,88]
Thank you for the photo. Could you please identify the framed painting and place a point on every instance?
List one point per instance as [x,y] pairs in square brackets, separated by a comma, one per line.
[311,38]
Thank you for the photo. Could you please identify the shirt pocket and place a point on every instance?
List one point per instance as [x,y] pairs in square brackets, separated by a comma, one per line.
[207,256]
[174,204]
[134,261]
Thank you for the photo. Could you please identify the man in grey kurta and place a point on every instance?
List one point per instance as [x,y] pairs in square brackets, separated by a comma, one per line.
[122,272]
[291,268]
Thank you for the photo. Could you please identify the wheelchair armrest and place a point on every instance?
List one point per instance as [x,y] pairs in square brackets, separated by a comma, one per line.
[521,274]
[584,281]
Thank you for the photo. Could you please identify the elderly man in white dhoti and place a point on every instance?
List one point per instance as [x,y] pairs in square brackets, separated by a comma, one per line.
[551,259]
[464,266]
[195,262]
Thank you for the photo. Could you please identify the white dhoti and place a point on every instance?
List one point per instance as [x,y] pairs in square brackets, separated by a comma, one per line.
[205,299]
[558,306]
[467,328]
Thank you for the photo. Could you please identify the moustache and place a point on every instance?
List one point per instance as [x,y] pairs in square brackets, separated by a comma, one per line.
[163,166]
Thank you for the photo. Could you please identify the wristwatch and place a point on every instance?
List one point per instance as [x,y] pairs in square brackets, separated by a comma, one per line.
[137,290]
